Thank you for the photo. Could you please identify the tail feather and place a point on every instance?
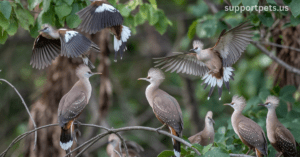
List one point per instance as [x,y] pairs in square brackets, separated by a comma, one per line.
[217,80]
[120,45]
[66,139]
[176,144]
[258,153]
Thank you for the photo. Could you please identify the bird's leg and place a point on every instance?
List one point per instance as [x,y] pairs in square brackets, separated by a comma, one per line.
[278,154]
[248,151]
[160,127]
[76,129]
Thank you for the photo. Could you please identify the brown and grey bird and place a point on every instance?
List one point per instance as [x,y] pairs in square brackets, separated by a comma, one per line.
[53,42]
[279,136]
[114,148]
[251,134]
[165,107]
[212,64]
[72,104]
[101,14]
[207,135]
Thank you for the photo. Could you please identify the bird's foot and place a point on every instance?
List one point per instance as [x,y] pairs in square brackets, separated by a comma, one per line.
[248,151]
[157,129]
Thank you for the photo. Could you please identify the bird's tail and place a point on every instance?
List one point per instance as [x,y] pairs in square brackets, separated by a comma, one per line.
[176,144]
[87,62]
[66,139]
[120,45]
[217,79]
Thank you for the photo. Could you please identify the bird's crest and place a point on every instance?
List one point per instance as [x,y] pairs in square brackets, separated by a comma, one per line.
[156,73]
[239,100]
[273,100]
[197,43]
[81,69]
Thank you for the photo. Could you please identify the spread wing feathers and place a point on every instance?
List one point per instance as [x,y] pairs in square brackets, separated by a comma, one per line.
[44,51]
[75,44]
[97,16]
[168,110]
[195,138]
[71,107]
[182,63]
[285,141]
[253,134]
[232,43]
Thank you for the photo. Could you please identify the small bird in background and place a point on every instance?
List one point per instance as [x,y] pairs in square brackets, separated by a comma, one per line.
[207,135]
[72,104]
[279,136]
[114,148]
[101,14]
[251,134]
[52,43]
[214,63]
[165,107]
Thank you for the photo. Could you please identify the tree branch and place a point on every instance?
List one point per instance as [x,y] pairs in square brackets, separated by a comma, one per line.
[33,122]
[281,46]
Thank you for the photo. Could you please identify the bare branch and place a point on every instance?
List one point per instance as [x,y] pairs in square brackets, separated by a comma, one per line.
[33,122]
[281,46]
[273,57]
[240,155]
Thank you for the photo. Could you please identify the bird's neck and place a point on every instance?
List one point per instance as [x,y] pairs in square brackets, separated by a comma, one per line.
[87,85]
[151,88]
[236,116]
[271,119]
[209,128]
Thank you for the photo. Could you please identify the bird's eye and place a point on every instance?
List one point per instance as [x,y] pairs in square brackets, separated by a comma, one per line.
[148,77]
[89,72]
[196,47]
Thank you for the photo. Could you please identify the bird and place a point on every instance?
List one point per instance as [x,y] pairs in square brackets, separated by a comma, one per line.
[250,133]
[279,136]
[206,136]
[72,104]
[165,107]
[212,64]
[113,148]
[101,14]
[52,42]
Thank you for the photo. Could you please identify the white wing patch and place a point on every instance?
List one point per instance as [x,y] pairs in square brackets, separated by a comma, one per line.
[69,35]
[105,7]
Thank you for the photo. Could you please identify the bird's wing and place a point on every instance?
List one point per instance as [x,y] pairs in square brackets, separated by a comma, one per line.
[253,134]
[75,44]
[167,109]
[182,63]
[72,106]
[285,141]
[231,44]
[99,15]
[195,138]
[44,51]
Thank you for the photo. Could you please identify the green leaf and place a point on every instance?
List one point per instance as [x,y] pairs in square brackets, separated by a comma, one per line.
[249,3]
[271,2]
[295,21]
[207,148]
[153,3]
[235,2]
[192,30]
[207,28]
[63,10]
[33,3]
[153,16]
[139,19]
[73,20]
[125,11]
[13,26]
[46,5]
[24,17]
[294,6]
[286,93]
[3,36]
[69,2]
[216,151]
[133,4]
[166,153]
[266,19]
[162,24]
[4,23]
[5,9]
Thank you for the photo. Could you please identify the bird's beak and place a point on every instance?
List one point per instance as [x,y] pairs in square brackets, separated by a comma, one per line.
[193,50]
[41,30]
[211,120]
[143,79]
[227,104]
[261,104]
[96,74]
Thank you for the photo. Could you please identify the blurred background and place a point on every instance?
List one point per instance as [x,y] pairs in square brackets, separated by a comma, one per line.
[118,99]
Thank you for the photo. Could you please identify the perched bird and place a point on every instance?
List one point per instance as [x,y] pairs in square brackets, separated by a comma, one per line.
[51,43]
[214,63]
[207,135]
[165,107]
[251,134]
[279,136]
[113,148]
[101,14]
[72,104]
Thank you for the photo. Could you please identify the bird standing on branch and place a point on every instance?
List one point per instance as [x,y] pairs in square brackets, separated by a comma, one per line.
[165,107]
[114,147]
[72,104]
[206,136]
[251,134]
[214,63]
[279,136]
[101,14]
[51,43]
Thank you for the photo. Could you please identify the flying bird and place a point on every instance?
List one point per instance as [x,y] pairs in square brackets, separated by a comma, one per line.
[250,133]
[165,107]
[51,43]
[72,104]
[212,64]
[279,136]
[101,14]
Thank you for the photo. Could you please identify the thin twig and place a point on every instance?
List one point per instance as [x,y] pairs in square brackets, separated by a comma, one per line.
[281,46]
[276,59]
[35,136]
[117,152]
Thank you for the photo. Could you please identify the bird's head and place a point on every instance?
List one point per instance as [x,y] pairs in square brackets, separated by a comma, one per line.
[197,46]
[155,75]
[271,103]
[113,139]
[237,103]
[208,118]
[46,28]
[84,71]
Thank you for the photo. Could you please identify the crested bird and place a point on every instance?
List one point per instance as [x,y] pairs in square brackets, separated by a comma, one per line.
[114,148]
[207,135]
[212,64]
[72,104]
[279,136]
[52,42]
[101,14]
[165,107]
[250,133]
